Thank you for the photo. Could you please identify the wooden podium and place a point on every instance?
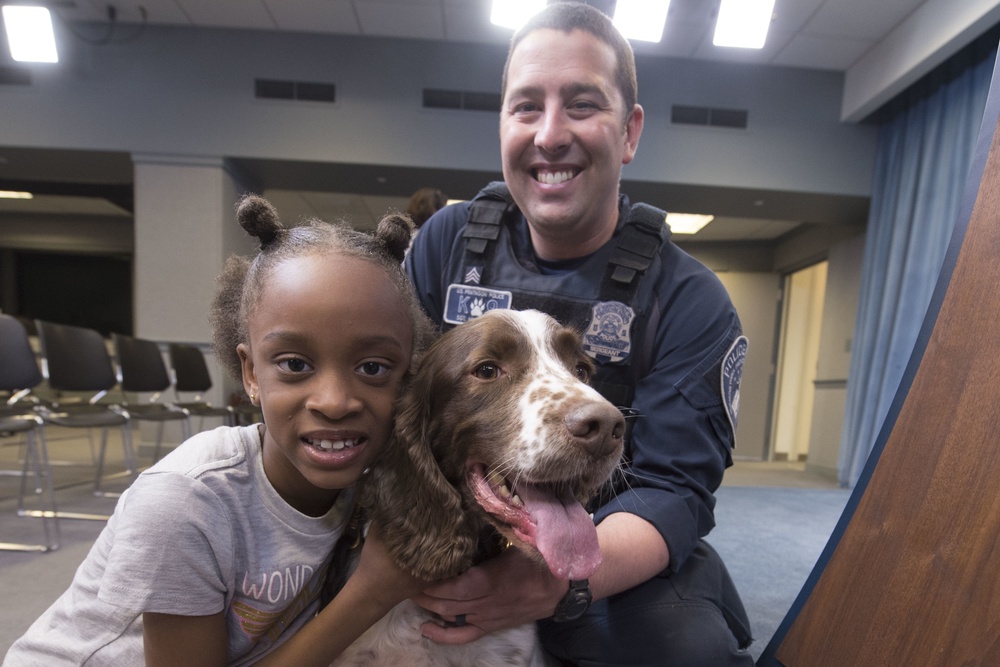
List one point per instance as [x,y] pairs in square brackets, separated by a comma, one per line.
[911,575]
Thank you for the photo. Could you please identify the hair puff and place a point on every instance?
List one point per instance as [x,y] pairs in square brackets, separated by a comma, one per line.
[394,233]
[259,218]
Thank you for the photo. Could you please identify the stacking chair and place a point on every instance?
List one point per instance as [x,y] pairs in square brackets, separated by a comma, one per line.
[76,359]
[19,374]
[141,370]
[190,376]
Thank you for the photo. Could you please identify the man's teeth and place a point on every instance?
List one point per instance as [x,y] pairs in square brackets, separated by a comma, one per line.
[498,482]
[554,177]
[329,445]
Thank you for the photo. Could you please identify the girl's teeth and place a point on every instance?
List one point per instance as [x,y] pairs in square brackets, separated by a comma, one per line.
[328,445]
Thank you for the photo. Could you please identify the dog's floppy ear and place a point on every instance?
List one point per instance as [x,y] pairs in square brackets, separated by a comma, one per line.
[419,511]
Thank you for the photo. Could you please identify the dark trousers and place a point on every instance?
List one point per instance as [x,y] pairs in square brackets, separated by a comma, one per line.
[690,618]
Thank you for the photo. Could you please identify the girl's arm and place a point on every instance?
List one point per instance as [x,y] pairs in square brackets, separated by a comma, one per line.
[195,641]
[375,587]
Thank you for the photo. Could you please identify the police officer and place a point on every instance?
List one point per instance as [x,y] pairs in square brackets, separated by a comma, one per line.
[558,236]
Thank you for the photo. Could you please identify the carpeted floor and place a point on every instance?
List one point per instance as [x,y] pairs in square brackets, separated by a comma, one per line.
[770,538]
[773,520]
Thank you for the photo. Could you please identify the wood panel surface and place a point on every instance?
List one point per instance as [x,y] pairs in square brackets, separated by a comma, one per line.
[913,578]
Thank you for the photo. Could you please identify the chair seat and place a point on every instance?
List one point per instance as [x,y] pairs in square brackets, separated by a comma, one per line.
[83,417]
[154,412]
[17,424]
[204,409]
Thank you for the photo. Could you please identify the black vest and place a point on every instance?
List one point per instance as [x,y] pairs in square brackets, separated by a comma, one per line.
[606,299]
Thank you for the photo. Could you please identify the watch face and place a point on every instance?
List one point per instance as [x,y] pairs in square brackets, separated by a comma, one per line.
[577,601]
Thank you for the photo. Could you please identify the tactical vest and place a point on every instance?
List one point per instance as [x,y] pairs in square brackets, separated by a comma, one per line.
[605,298]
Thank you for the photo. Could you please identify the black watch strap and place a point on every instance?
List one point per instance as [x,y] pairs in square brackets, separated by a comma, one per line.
[576,601]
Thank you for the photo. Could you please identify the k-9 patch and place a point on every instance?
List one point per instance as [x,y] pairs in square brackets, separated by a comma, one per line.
[732,374]
[608,339]
[467,302]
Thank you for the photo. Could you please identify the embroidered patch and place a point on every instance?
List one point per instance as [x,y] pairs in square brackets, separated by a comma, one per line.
[466,302]
[732,374]
[608,339]
[473,275]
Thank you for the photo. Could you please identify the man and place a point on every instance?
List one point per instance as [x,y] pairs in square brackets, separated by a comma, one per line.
[666,337]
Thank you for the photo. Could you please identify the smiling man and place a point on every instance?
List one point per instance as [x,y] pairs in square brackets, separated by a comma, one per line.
[558,236]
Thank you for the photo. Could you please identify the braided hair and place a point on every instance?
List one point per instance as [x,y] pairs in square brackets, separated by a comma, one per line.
[243,279]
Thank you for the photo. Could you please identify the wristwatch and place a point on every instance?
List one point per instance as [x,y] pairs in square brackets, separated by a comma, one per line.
[576,601]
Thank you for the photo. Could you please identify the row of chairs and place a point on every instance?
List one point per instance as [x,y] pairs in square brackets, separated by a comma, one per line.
[75,361]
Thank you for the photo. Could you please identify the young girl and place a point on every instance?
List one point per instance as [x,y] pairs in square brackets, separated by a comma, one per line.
[216,555]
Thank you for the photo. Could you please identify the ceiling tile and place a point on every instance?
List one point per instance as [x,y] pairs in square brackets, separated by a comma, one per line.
[335,16]
[822,52]
[400,19]
[860,19]
[228,13]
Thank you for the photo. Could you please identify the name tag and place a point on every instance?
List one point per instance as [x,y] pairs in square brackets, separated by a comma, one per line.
[467,302]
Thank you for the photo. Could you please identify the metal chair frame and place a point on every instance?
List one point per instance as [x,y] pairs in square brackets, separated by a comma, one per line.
[76,359]
[19,374]
[141,370]
[190,375]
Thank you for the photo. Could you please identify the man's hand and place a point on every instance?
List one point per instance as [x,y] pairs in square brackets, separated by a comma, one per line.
[504,592]
[512,589]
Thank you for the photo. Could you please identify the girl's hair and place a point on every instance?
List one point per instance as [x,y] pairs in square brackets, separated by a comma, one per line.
[243,280]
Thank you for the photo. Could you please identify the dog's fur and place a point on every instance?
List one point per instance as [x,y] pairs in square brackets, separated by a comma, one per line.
[499,404]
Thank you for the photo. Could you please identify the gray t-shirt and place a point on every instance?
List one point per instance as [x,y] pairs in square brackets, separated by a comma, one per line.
[200,532]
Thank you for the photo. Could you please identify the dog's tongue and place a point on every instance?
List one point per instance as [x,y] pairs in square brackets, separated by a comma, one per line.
[565,534]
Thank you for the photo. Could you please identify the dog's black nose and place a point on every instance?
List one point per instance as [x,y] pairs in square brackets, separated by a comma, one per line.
[597,426]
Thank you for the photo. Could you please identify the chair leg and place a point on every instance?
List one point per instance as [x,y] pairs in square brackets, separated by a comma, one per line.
[100,462]
[54,512]
[37,459]
[159,442]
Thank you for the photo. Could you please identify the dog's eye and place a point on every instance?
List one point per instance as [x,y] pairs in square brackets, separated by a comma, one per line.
[487,371]
[583,373]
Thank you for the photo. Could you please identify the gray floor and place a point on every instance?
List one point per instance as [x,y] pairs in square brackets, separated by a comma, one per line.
[773,522]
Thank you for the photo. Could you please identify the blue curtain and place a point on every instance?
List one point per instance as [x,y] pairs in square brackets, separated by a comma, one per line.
[925,145]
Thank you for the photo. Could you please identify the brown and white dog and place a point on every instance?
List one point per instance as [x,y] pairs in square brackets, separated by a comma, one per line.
[498,434]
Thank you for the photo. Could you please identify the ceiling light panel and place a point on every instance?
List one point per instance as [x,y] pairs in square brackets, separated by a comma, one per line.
[29,34]
[642,20]
[743,23]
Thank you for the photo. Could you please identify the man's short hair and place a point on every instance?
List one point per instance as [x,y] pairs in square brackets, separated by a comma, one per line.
[569,16]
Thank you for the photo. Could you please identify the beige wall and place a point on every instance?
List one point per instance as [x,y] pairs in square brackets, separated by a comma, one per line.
[755,296]
[839,313]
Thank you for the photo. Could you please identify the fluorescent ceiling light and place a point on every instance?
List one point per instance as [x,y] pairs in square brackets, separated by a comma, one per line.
[687,223]
[743,23]
[29,34]
[514,13]
[641,19]
[11,194]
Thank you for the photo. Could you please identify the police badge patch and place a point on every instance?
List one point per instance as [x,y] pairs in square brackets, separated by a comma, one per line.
[608,339]
[732,374]
[466,302]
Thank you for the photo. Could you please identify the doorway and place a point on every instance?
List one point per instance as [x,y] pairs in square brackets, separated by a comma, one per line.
[797,360]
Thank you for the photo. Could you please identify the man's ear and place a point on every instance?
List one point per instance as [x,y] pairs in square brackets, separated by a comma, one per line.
[633,130]
[250,383]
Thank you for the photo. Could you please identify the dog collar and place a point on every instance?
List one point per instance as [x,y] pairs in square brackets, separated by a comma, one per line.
[576,601]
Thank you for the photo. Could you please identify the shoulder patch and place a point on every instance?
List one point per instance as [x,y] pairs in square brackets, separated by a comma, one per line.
[466,302]
[731,375]
[608,339]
